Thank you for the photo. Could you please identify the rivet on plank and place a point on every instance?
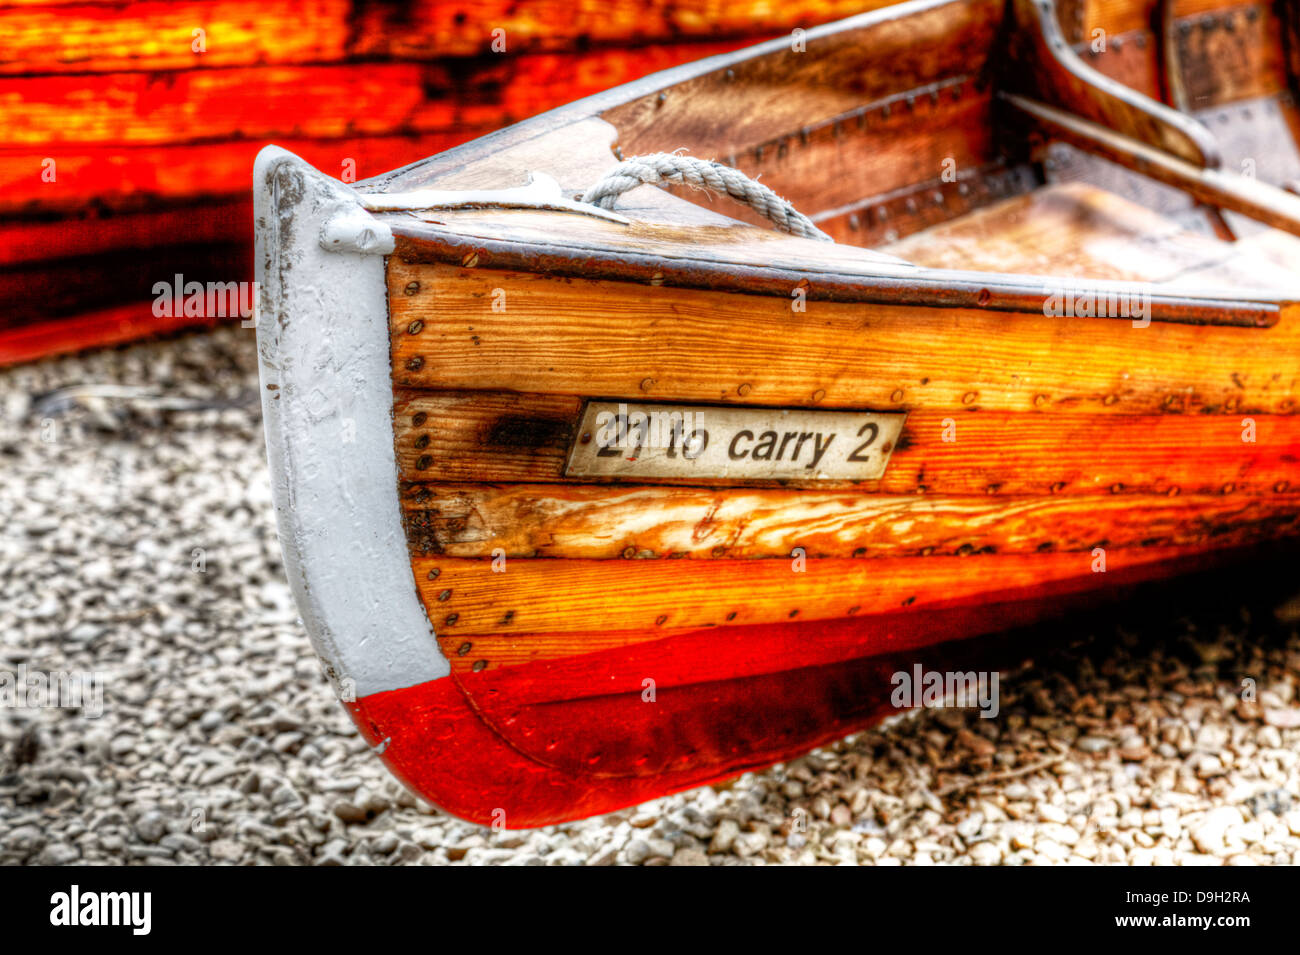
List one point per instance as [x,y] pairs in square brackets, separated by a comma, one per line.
[1281,486]
[419,418]
[661,619]
[1229,488]
[451,618]
[480,665]
[415,327]
[897,395]
[433,574]
[423,462]
[818,395]
[744,389]
[414,363]
[422,442]
[444,595]
[464,648]
[647,384]
[412,288]
[470,260]
[970,397]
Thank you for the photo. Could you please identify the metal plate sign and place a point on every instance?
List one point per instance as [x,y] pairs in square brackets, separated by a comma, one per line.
[634,440]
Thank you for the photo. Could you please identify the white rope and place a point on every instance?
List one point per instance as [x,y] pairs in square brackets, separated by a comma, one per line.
[660,169]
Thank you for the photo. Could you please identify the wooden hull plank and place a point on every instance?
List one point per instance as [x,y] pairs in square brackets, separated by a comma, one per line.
[470,437]
[602,523]
[575,337]
[471,597]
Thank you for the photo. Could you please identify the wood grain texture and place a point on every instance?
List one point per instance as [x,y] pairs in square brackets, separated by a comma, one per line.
[331,101]
[79,36]
[467,597]
[491,437]
[103,179]
[582,521]
[609,339]
[1080,230]
[777,92]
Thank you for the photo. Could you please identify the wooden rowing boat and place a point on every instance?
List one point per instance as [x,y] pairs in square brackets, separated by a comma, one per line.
[585,506]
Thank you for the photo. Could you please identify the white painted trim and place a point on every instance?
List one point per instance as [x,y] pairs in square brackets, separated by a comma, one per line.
[327,401]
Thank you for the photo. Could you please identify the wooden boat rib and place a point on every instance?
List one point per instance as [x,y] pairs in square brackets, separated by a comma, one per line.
[535,614]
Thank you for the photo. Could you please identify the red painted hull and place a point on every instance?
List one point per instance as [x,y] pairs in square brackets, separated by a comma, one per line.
[546,742]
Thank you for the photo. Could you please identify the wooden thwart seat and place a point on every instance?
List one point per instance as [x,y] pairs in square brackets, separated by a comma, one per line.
[1078,230]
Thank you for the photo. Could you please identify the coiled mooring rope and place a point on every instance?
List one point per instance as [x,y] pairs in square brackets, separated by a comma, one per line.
[660,169]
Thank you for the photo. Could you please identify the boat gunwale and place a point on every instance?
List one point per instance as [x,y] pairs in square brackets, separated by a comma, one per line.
[438,243]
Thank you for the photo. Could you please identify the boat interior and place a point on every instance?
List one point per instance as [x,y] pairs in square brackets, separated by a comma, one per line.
[989,144]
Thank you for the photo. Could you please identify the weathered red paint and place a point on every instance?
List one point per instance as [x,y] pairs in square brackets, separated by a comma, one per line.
[563,739]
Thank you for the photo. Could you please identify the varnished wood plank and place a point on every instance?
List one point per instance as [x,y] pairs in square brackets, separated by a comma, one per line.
[484,437]
[607,339]
[145,178]
[81,36]
[1080,230]
[329,101]
[777,92]
[881,148]
[76,37]
[723,653]
[583,521]
[469,597]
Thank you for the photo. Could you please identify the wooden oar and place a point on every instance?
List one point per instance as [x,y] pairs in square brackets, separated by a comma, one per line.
[1250,197]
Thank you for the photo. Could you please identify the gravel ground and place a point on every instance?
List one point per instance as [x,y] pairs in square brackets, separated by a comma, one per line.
[138,542]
